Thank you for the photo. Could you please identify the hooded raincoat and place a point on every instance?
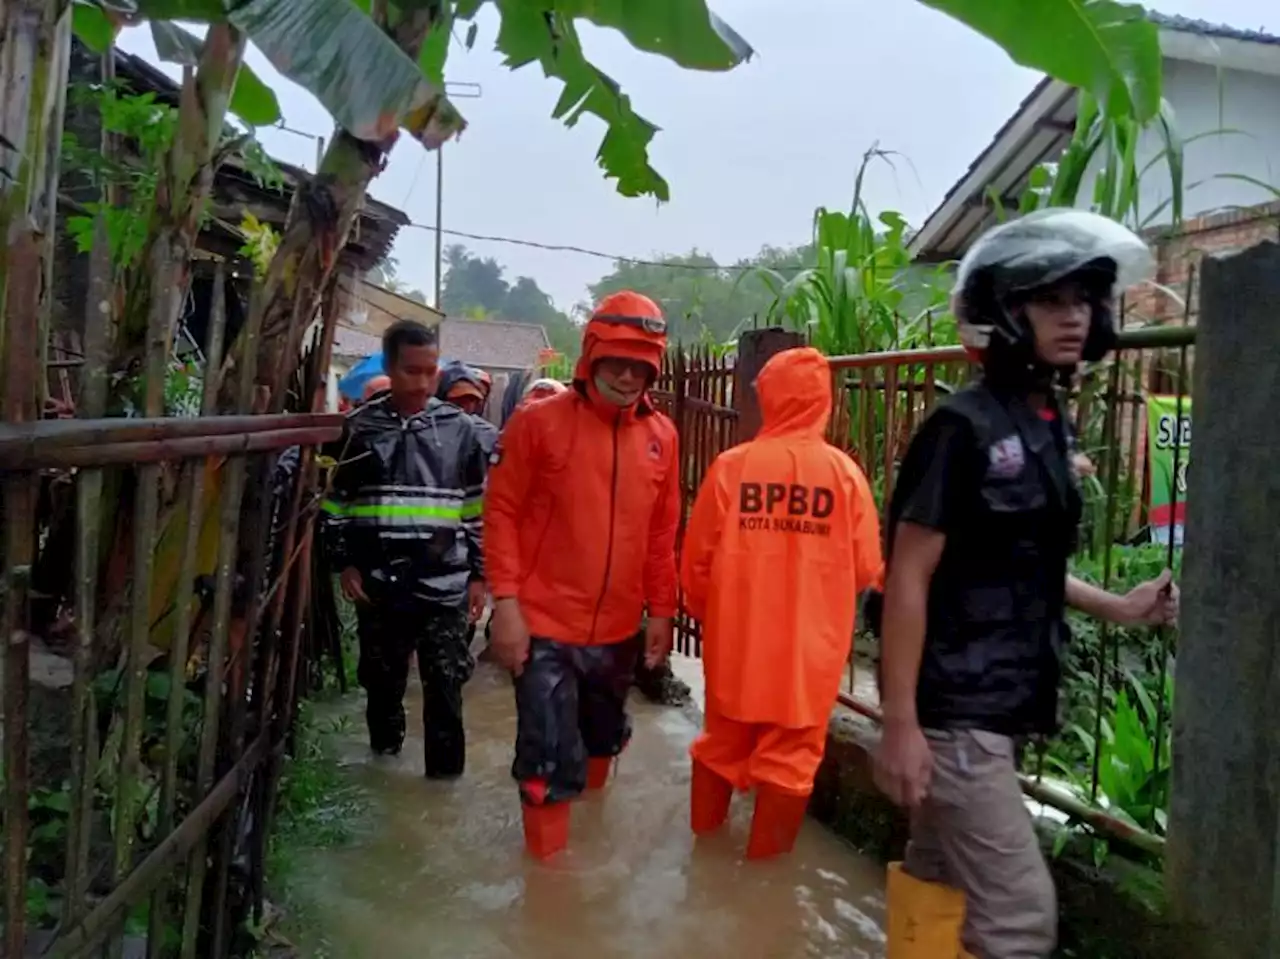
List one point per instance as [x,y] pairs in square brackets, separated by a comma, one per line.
[783,537]
[580,518]
[454,373]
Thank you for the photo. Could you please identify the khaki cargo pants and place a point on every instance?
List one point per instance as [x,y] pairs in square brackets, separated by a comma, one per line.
[974,833]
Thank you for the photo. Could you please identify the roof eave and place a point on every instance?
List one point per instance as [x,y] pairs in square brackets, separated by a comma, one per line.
[1048,99]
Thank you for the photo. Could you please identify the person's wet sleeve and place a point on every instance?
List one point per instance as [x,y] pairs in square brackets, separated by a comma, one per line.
[337,497]
[701,539]
[868,552]
[660,578]
[511,468]
[936,473]
[475,465]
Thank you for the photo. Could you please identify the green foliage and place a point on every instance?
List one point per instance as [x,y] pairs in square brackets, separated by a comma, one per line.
[149,128]
[702,299]
[862,294]
[477,287]
[251,99]
[260,245]
[546,33]
[316,806]
[1107,145]
[92,26]
[1133,675]
[329,47]
[1109,49]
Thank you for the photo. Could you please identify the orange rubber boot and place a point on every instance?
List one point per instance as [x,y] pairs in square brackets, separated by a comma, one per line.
[710,794]
[546,829]
[776,822]
[598,769]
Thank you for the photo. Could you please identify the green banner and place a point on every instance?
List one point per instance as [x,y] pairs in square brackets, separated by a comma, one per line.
[1168,440]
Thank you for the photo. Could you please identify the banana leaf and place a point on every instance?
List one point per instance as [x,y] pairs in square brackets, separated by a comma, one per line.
[331,48]
[251,100]
[1109,49]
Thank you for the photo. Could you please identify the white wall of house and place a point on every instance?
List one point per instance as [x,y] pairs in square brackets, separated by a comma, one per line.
[1208,100]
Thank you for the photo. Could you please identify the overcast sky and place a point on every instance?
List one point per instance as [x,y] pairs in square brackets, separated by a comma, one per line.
[748,154]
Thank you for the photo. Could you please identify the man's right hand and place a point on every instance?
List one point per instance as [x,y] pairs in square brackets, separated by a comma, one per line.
[352,584]
[903,763]
[509,636]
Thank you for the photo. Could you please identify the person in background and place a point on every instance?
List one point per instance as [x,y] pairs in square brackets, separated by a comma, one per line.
[373,386]
[984,518]
[464,387]
[404,513]
[783,538]
[541,389]
[468,388]
[581,516]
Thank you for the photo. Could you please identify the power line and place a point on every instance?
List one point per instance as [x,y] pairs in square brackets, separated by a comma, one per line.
[571,248]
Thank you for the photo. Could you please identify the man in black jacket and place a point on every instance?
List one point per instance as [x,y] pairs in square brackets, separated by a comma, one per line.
[983,522]
[403,514]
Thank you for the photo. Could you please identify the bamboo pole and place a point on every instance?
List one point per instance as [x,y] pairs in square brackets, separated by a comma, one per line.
[31,83]
[91,404]
[193,494]
[229,528]
[322,430]
[165,294]
[34,442]
[80,940]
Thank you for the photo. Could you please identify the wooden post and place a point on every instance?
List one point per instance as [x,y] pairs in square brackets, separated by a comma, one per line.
[755,347]
[1223,859]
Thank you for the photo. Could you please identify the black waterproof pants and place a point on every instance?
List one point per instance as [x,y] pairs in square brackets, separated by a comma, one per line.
[390,633]
[571,704]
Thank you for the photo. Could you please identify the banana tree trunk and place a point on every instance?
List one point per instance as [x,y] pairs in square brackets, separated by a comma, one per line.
[315,233]
[185,183]
[34,43]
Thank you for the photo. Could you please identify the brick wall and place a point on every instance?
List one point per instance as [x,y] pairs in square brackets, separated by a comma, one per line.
[1176,253]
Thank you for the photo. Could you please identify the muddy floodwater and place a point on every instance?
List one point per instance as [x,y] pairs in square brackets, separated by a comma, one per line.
[442,872]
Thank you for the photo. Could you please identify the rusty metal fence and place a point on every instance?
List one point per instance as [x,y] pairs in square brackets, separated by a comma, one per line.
[1109,770]
[695,388]
[181,627]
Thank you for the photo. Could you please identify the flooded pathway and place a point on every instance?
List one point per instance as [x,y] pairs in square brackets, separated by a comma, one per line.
[442,872]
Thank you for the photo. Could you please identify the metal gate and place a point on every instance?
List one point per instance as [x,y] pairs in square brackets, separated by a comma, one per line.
[695,388]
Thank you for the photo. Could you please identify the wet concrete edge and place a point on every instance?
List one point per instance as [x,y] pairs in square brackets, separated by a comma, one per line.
[1115,911]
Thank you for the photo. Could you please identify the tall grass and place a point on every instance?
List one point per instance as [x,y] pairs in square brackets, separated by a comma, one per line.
[862,294]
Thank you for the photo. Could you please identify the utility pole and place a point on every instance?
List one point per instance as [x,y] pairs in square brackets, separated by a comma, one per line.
[461,91]
[439,222]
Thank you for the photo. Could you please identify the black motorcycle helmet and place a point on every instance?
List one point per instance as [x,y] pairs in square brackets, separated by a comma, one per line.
[1010,263]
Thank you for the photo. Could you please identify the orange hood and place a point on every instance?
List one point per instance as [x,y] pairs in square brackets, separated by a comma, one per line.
[626,325]
[794,389]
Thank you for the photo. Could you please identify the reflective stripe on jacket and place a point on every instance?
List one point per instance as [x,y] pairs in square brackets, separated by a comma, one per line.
[405,500]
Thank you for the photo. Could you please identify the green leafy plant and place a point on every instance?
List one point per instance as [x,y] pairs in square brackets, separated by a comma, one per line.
[862,293]
[260,243]
[148,127]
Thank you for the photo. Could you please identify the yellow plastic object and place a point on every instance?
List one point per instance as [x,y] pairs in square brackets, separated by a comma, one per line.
[925,918]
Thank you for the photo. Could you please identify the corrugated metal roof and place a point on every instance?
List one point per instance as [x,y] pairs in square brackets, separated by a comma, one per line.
[1207,29]
[493,344]
[349,342]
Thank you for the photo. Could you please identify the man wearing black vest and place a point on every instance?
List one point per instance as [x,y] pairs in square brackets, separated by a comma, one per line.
[983,522]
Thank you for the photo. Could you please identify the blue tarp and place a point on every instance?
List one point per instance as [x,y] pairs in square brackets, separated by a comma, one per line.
[352,385]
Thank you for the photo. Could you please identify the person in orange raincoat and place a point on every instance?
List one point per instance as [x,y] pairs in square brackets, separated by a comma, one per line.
[580,524]
[784,536]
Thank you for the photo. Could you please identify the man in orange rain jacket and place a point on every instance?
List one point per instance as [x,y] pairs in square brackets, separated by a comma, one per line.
[580,523]
[783,537]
